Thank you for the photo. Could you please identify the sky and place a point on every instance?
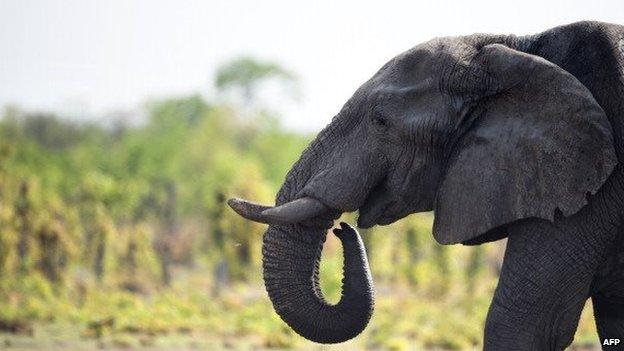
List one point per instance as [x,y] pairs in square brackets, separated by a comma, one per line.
[92,59]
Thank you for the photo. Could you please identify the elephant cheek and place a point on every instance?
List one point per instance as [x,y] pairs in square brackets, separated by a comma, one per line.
[419,192]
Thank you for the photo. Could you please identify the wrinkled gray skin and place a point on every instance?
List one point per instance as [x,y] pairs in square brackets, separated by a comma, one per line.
[500,136]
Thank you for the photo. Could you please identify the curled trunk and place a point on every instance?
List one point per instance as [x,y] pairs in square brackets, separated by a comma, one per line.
[292,252]
[291,258]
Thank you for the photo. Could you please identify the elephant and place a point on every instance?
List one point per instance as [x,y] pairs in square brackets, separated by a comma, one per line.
[501,136]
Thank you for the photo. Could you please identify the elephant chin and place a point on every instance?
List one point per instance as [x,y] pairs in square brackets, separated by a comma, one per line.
[383,216]
[385,213]
[369,217]
[381,209]
[374,207]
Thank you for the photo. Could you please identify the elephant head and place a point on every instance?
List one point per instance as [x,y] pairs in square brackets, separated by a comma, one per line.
[470,127]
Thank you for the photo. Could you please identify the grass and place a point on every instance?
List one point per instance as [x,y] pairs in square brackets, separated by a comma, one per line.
[186,317]
[435,303]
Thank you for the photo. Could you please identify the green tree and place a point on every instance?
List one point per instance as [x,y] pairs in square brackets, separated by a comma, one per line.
[53,251]
[167,231]
[441,261]
[25,225]
[476,262]
[246,74]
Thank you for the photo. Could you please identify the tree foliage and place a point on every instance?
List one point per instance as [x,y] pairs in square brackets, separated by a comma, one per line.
[246,74]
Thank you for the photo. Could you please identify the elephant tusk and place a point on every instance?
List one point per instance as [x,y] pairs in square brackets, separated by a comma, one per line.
[292,212]
[249,210]
[295,211]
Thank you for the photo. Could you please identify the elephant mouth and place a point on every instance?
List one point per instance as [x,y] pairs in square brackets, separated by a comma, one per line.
[386,204]
[378,208]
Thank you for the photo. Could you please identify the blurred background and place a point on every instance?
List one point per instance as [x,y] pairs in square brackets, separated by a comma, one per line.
[126,124]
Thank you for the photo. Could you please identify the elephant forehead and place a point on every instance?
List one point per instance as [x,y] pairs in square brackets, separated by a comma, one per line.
[388,89]
[417,60]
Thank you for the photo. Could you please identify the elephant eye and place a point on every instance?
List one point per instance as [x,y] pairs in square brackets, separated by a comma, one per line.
[379,119]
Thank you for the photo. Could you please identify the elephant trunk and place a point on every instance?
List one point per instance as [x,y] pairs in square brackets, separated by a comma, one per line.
[291,258]
[293,243]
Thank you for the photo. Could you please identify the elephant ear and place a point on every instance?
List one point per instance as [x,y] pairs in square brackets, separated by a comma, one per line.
[539,143]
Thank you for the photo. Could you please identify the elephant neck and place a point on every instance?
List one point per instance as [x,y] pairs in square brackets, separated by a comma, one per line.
[604,215]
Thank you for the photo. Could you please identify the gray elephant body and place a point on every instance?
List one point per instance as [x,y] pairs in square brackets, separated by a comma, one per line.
[500,136]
